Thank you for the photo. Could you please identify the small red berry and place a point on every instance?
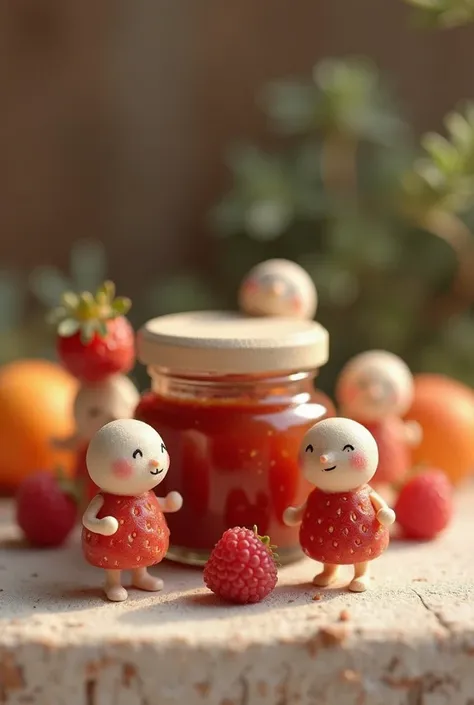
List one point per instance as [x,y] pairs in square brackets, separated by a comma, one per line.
[44,511]
[95,339]
[242,567]
[104,355]
[425,505]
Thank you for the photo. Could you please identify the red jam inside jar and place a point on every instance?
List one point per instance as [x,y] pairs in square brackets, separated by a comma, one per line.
[233,441]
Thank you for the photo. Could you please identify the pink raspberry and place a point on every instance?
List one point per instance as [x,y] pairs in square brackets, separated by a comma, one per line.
[242,567]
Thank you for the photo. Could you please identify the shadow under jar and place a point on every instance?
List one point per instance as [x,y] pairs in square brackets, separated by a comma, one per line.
[232,397]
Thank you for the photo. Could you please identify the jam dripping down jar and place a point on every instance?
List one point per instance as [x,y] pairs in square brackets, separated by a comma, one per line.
[232,397]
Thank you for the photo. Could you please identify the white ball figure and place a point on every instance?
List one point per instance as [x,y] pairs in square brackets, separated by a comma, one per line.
[278,287]
[96,404]
[124,526]
[376,389]
[343,521]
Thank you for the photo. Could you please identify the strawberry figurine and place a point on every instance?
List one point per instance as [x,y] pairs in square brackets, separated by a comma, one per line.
[95,339]
[376,389]
[343,521]
[123,526]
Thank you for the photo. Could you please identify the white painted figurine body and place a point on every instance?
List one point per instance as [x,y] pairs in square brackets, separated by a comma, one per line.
[278,287]
[376,389]
[343,521]
[124,526]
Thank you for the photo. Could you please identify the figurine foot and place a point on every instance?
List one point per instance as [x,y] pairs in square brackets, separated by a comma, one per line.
[328,576]
[142,580]
[359,584]
[361,581]
[116,593]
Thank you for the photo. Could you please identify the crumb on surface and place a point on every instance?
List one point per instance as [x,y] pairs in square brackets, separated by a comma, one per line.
[351,676]
[332,635]
[317,597]
[203,688]
[128,673]
[344,616]
[11,675]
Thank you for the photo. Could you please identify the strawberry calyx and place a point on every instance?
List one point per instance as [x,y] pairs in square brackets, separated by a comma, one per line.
[87,314]
[267,542]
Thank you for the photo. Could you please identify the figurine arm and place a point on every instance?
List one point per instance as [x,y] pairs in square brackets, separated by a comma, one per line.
[69,443]
[413,433]
[107,526]
[385,515]
[292,516]
[171,503]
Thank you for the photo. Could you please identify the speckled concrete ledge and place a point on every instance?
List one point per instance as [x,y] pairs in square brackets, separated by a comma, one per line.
[410,641]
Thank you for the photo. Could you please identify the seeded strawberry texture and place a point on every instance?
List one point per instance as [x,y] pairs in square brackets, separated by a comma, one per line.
[242,567]
[45,512]
[141,540]
[342,528]
[95,339]
[425,505]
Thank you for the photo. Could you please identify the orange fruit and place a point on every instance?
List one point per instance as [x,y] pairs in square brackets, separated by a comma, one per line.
[445,410]
[36,402]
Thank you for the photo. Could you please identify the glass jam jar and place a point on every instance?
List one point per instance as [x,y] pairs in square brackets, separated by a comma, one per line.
[232,397]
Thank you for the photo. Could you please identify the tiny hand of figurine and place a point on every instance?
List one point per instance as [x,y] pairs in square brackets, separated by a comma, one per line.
[290,516]
[386,516]
[107,526]
[173,502]
[413,433]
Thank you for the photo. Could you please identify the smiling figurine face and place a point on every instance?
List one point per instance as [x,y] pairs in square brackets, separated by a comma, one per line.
[278,287]
[127,457]
[375,385]
[339,455]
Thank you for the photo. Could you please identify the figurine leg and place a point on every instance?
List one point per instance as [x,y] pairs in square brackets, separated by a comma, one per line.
[327,576]
[142,579]
[113,586]
[360,583]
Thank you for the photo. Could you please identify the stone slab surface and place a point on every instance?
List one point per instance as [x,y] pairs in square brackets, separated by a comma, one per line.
[409,641]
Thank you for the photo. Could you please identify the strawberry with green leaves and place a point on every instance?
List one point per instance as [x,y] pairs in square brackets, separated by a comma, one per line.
[95,339]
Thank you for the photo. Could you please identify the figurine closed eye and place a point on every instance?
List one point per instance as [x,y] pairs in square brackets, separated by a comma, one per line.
[376,389]
[124,525]
[278,287]
[343,521]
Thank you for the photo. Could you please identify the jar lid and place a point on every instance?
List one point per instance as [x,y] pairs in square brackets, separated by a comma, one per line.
[231,343]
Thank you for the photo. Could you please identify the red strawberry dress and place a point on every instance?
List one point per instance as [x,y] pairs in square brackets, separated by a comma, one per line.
[141,540]
[341,527]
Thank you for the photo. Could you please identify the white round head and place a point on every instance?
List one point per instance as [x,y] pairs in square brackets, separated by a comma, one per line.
[127,457]
[278,287]
[374,385]
[339,455]
[97,404]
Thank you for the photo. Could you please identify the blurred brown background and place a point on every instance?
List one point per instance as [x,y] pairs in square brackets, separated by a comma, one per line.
[115,115]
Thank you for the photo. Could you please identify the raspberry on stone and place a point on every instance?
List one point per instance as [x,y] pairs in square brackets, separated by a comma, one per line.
[242,567]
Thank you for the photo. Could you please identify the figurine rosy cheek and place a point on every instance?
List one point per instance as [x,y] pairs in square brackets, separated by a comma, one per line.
[124,525]
[343,521]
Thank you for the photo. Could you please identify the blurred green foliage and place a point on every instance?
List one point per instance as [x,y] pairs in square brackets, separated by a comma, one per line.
[444,13]
[383,226]
[377,224]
